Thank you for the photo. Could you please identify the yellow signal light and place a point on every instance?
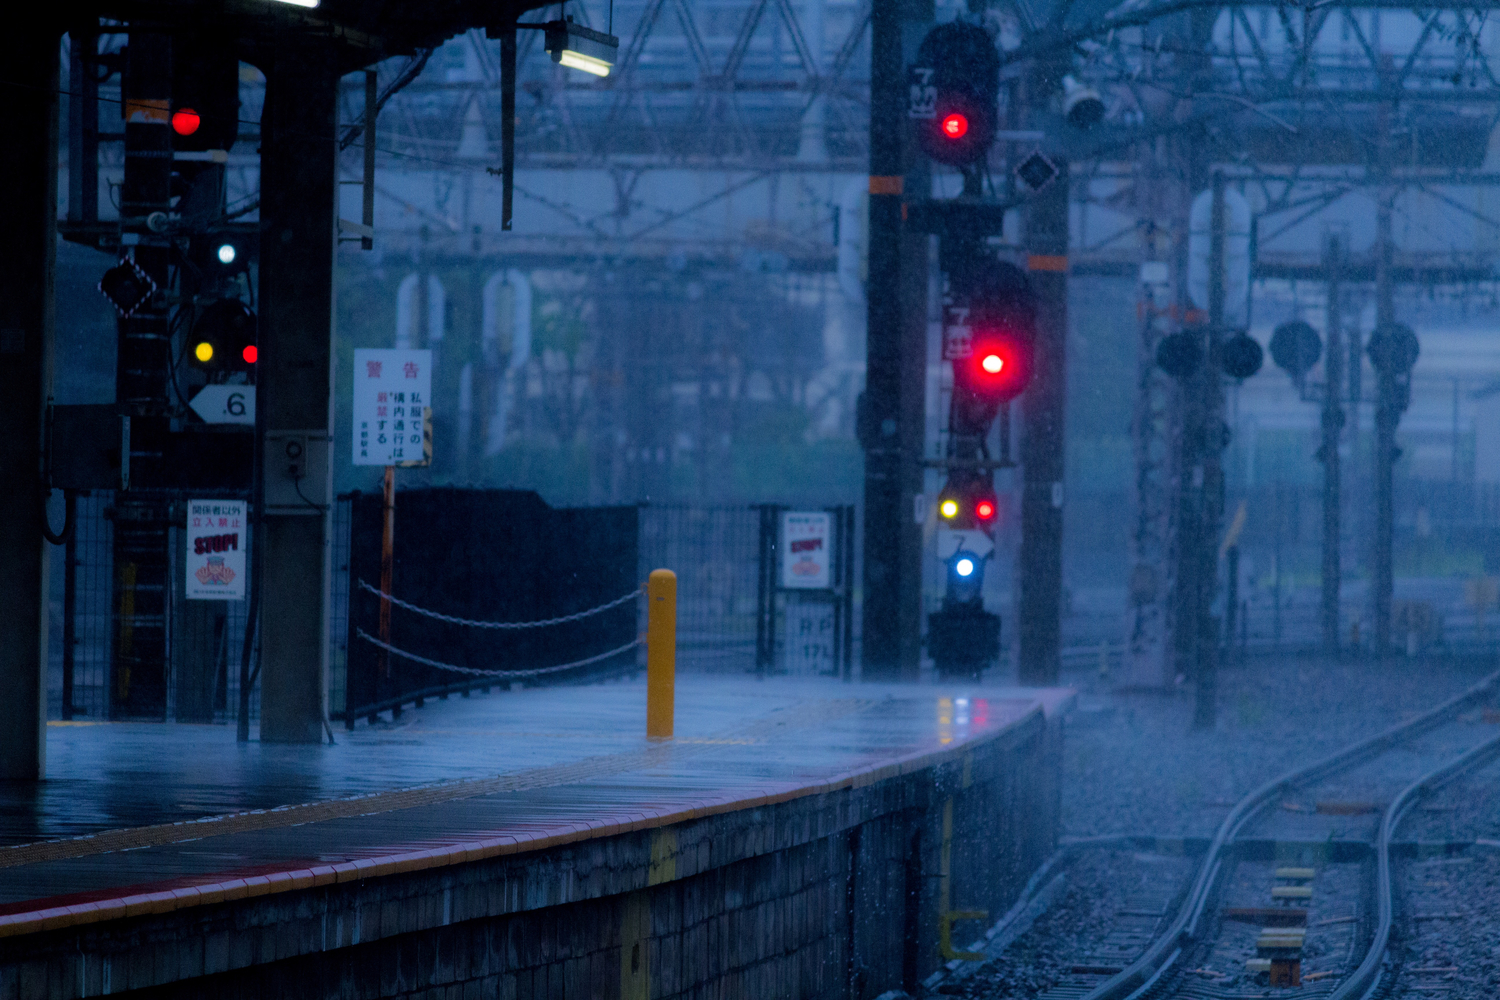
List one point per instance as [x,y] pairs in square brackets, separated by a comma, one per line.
[948,508]
[204,351]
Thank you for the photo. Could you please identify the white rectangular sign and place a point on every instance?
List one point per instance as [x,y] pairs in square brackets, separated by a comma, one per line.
[808,649]
[806,550]
[215,564]
[392,391]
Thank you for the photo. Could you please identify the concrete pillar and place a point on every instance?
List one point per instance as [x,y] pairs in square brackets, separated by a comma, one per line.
[28,218]
[1039,628]
[295,386]
[892,424]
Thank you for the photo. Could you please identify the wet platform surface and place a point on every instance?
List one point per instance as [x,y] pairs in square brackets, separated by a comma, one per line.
[138,808]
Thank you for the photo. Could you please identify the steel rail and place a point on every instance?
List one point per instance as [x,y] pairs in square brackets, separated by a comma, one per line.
[1367,975]
[1184,928]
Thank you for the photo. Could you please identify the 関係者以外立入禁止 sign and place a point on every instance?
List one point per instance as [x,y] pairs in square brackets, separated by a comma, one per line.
[807,550]
[216,537]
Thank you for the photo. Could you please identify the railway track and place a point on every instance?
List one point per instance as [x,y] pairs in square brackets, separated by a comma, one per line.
[1445,883]
[1184,950]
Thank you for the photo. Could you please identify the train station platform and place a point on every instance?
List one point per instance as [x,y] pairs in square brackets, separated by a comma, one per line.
[534,843]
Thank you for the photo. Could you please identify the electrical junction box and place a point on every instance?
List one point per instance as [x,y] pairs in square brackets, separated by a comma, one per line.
[296,472]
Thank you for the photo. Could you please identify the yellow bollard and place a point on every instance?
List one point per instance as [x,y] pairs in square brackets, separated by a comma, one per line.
[661,653]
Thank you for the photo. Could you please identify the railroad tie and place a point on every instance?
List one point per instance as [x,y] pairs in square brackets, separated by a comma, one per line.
[1280,948]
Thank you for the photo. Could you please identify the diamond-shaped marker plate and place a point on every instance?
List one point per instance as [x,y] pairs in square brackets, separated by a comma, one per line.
[1036,171]
[127,287]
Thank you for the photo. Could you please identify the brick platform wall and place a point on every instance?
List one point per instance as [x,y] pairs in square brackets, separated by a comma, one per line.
[833,895]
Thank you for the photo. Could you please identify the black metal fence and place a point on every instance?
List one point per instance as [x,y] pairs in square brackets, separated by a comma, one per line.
[488,587]
[730,611]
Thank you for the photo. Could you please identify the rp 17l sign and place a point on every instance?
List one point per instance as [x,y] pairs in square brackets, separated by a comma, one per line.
[215,550]
[392,404]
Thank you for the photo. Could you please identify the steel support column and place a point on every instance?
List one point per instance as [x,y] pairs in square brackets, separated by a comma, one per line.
[891,418]
[1333,428]
[28,216]
[1388,408]
[1042,407]
[143,372]
[1211,509]
[295,386]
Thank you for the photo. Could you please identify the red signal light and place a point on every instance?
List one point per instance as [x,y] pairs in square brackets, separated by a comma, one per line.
[955,126]
[1000,366]
[185,121]
[250,354]
[984,510]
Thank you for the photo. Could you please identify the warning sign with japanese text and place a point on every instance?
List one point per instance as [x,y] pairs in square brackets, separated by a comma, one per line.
[392,405]
[215,561]
[807,542]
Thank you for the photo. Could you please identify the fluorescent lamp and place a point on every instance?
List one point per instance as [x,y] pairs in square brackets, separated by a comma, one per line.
[577,60]
[576,47]
[301,3]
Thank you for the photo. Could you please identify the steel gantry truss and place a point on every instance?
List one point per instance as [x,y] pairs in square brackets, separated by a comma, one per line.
[1309,109]
[720,86]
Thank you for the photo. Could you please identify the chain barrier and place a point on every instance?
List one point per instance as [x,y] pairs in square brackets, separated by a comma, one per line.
[476,672]
[454,620]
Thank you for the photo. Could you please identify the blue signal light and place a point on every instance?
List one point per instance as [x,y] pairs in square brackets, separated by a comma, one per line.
[964,567]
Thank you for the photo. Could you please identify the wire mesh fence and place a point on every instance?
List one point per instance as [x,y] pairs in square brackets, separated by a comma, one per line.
[205,639]
[79,644]
[338,606]
[715,552]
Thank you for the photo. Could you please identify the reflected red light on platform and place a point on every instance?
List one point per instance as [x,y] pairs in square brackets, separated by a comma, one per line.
[985,510]
[185,121]
[250,354]
[955,126]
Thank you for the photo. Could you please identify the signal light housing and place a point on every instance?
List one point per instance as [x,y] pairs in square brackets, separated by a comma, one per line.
[205,91]
[955,91]
[223,338]
[1393,349]
[1296,347]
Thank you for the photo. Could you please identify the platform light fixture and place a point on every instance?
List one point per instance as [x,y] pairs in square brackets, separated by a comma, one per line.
[301,3]
[580,48]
